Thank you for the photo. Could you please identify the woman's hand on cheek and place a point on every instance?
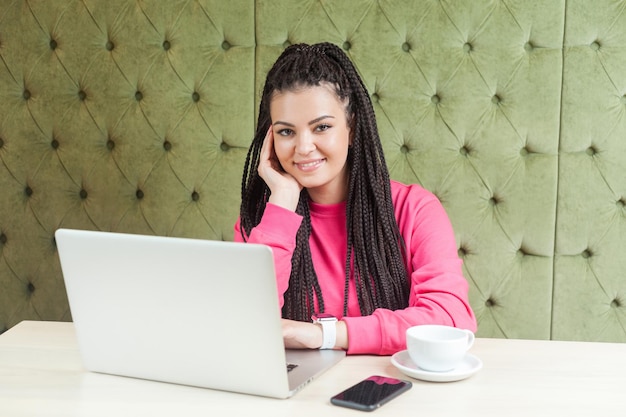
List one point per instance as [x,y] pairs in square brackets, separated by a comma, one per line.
[285,189]
[301,335]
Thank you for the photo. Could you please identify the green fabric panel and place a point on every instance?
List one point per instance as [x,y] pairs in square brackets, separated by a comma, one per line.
[467,99]
[136,117]
[116,115]
[590,261]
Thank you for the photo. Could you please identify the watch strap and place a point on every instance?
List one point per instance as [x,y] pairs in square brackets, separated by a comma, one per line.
[329,333]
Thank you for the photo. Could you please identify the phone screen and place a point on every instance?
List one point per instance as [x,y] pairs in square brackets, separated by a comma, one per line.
[371,393]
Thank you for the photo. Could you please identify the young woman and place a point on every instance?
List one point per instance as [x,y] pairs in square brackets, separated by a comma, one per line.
[376,256]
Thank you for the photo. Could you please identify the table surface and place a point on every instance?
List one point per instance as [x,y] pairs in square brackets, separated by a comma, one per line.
[41,374]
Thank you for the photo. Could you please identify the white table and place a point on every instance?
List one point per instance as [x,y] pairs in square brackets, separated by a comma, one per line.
[41,375]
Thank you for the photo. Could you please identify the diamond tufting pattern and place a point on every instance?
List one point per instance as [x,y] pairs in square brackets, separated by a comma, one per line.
[135,116]
[590,261]
[121,115]
[467,99]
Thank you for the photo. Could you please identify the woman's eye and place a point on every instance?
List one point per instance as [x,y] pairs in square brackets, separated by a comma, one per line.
[322,127]
[285,132]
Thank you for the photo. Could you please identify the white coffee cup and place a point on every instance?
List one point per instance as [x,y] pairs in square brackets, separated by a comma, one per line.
[438,348]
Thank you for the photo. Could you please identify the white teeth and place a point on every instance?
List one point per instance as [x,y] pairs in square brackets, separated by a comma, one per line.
[309,164]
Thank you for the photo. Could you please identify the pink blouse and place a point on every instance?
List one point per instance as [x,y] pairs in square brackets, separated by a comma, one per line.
[439,292]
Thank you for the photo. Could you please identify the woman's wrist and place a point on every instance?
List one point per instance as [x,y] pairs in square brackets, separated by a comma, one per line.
[342,335]
[286,200]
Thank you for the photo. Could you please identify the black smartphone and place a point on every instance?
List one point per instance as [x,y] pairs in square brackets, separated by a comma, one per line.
[371,393]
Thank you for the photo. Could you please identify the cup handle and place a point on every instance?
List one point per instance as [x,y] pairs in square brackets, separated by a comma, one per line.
[470,339]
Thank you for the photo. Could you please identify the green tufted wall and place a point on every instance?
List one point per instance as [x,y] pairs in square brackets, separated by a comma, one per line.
[135,116]
[590,250]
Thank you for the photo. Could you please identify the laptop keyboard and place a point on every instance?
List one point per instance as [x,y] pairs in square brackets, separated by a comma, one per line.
[291,367]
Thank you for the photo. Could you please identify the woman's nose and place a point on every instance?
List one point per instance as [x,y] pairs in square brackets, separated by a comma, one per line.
[305,144]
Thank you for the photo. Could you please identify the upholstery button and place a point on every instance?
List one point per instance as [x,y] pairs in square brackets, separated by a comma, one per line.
[82,95]
[465,151]
[166,45]
[490,302]
[53,44]
[616,303]
[528,46]
[595,45]
[591,151]
[195,96]
[28,191]
[406,47]
[621,202]
[375,98]
[524,151]
[496,99]
[225,45]
[347,45]
[586,254]
[494,201]
[225,147]
[138,96]
[435,99]
[26,95]
[404,149]
[54,144]
[467,47]
[83,194]
[110,144]
[1,143]
[167,145]
[3,239]
[31,287]
[110,45]
[139,194]
[462,252]
[286,44]
[195,196]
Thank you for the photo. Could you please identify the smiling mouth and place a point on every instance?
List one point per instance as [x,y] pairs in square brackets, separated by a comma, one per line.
[310,165]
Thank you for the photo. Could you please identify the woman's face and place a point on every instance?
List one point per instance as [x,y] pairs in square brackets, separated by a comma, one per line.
[311,140]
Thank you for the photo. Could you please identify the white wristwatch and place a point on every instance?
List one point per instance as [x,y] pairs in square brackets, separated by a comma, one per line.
[329,329]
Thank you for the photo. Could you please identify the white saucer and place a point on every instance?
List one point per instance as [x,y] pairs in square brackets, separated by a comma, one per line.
[470,365]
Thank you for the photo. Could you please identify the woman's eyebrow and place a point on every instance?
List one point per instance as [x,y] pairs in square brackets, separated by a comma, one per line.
[278,122]
[312,122]
[319,119]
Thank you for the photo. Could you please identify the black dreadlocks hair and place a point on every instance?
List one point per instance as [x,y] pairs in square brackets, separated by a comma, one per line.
[373,237]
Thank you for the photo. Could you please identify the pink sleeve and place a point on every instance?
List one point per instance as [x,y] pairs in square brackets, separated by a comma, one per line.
[277,229]
[439,292]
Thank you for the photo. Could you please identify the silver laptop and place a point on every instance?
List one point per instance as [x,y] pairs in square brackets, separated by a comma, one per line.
[185,311]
